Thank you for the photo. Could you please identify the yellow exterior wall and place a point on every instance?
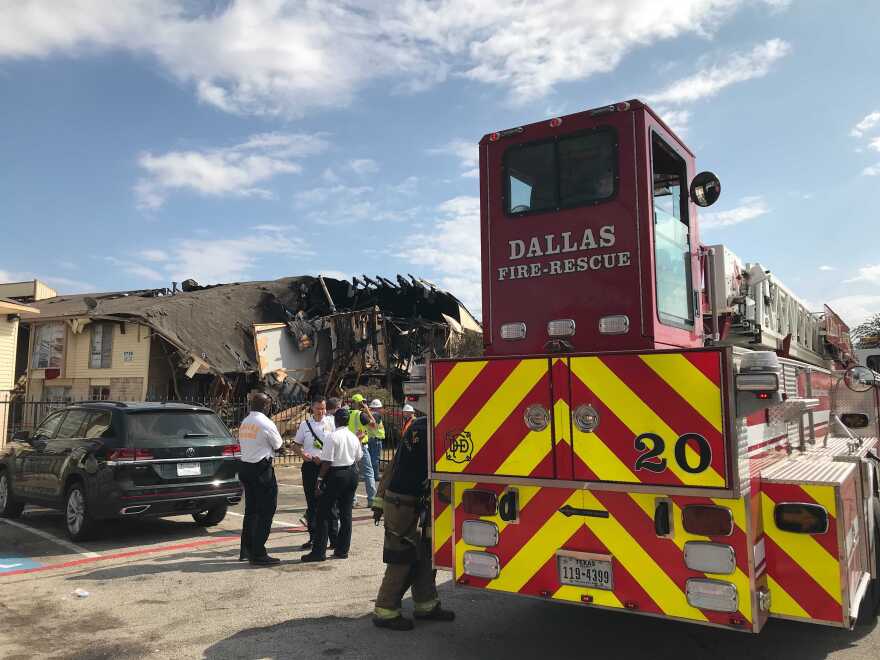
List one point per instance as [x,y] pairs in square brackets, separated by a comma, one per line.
[8,339]
[136,341]
[76,372]
[30,289]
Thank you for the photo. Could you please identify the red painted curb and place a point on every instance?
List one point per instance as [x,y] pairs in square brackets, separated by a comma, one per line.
[147,551]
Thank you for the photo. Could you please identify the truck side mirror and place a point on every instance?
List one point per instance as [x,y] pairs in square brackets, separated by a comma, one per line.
[705,189]
[859,379]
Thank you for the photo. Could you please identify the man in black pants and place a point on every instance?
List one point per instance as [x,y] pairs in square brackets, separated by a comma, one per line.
[337,483]
[308,443]
[259,439]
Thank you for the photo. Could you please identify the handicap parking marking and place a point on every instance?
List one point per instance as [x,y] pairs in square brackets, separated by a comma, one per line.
[8,564]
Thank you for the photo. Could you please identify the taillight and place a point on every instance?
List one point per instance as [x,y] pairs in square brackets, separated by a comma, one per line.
[801,518]
[128,454]
[232,450]
[479,502]
[707,520]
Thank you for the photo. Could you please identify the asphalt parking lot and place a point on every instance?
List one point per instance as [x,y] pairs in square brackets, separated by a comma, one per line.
[168,589]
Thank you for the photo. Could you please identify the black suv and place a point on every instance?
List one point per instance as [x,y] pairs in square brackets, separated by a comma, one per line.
[106,459]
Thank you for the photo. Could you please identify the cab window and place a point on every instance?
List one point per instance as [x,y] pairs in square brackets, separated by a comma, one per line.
[571,171]
[672,259]
[874,362]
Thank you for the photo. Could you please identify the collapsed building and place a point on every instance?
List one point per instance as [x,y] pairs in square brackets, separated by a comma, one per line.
[292,337]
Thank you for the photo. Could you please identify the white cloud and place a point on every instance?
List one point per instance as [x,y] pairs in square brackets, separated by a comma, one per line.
[870,120]
[225,171]
[271,57]
[874,144]
[869,274]
[737,67]
[827,268]
[154,255]
[342,204]
[872,170]
[749,208]
[363,166]
[677,120]
[467,152]
[855,308]
[209,261]
[452,249]
[139,271]
[336,274]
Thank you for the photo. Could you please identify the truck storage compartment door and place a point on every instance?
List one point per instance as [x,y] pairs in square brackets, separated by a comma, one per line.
[480,410]
[815,538]
[650,418]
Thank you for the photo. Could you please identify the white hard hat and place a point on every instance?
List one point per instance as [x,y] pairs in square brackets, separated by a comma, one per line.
[375,403]
[408,408]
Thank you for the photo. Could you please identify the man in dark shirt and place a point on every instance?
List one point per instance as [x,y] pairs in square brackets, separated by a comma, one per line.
[403,499]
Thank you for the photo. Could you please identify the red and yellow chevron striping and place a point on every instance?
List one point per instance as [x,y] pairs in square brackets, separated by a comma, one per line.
[661,418]
[803,570]
[649,572]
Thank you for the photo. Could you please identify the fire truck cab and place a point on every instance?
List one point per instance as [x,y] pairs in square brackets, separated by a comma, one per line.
[656,426]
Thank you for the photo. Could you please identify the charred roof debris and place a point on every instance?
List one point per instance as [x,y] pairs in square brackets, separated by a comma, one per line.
[292,337]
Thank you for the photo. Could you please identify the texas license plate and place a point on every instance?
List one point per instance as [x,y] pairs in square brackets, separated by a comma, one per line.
[189,469]
[580,570]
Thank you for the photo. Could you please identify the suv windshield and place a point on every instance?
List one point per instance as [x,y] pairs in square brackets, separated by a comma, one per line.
[167,426]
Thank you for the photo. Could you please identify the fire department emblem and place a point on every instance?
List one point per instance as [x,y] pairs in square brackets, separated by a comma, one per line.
[459,447]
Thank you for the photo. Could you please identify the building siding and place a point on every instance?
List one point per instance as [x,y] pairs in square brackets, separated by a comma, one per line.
[126,378]
[8,340]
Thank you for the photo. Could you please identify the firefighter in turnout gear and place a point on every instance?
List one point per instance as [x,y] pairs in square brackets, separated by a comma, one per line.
[403,498]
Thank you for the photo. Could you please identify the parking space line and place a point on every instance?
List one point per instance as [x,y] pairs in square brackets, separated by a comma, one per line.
[293,527]
[51,537]
[122,555]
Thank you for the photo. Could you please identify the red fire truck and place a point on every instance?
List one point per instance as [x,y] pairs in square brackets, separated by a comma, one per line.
[656,425]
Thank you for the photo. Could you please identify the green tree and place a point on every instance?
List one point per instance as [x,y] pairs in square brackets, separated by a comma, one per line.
[867,333]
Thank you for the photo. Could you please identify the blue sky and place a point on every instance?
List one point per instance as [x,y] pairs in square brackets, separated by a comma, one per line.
[150,141]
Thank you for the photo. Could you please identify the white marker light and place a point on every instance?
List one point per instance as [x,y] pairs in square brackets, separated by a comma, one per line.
[481,564]
[712,595]
[767,382]
[614,325]
[561,328]
[479,532]
[513,331]
[709,557]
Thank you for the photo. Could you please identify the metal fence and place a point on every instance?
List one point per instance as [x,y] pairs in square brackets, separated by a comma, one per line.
[18,414]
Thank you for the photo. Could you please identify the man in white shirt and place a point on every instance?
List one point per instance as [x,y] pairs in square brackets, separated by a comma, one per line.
[337,482]
[309,442]
[259,439]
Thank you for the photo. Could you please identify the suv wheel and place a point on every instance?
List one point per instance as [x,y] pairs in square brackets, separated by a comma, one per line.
[80,525]
[9,507]
[211,517]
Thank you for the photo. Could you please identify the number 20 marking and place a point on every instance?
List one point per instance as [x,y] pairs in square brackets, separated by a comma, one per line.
[653,447]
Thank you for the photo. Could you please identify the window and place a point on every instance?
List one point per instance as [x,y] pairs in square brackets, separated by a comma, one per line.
[48,346]
[96,425]
[874,362]
[572,171]
[672,258]
[50,425]
[172,427]
[99,393]
[72,424]
[101,346]
[56,394]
